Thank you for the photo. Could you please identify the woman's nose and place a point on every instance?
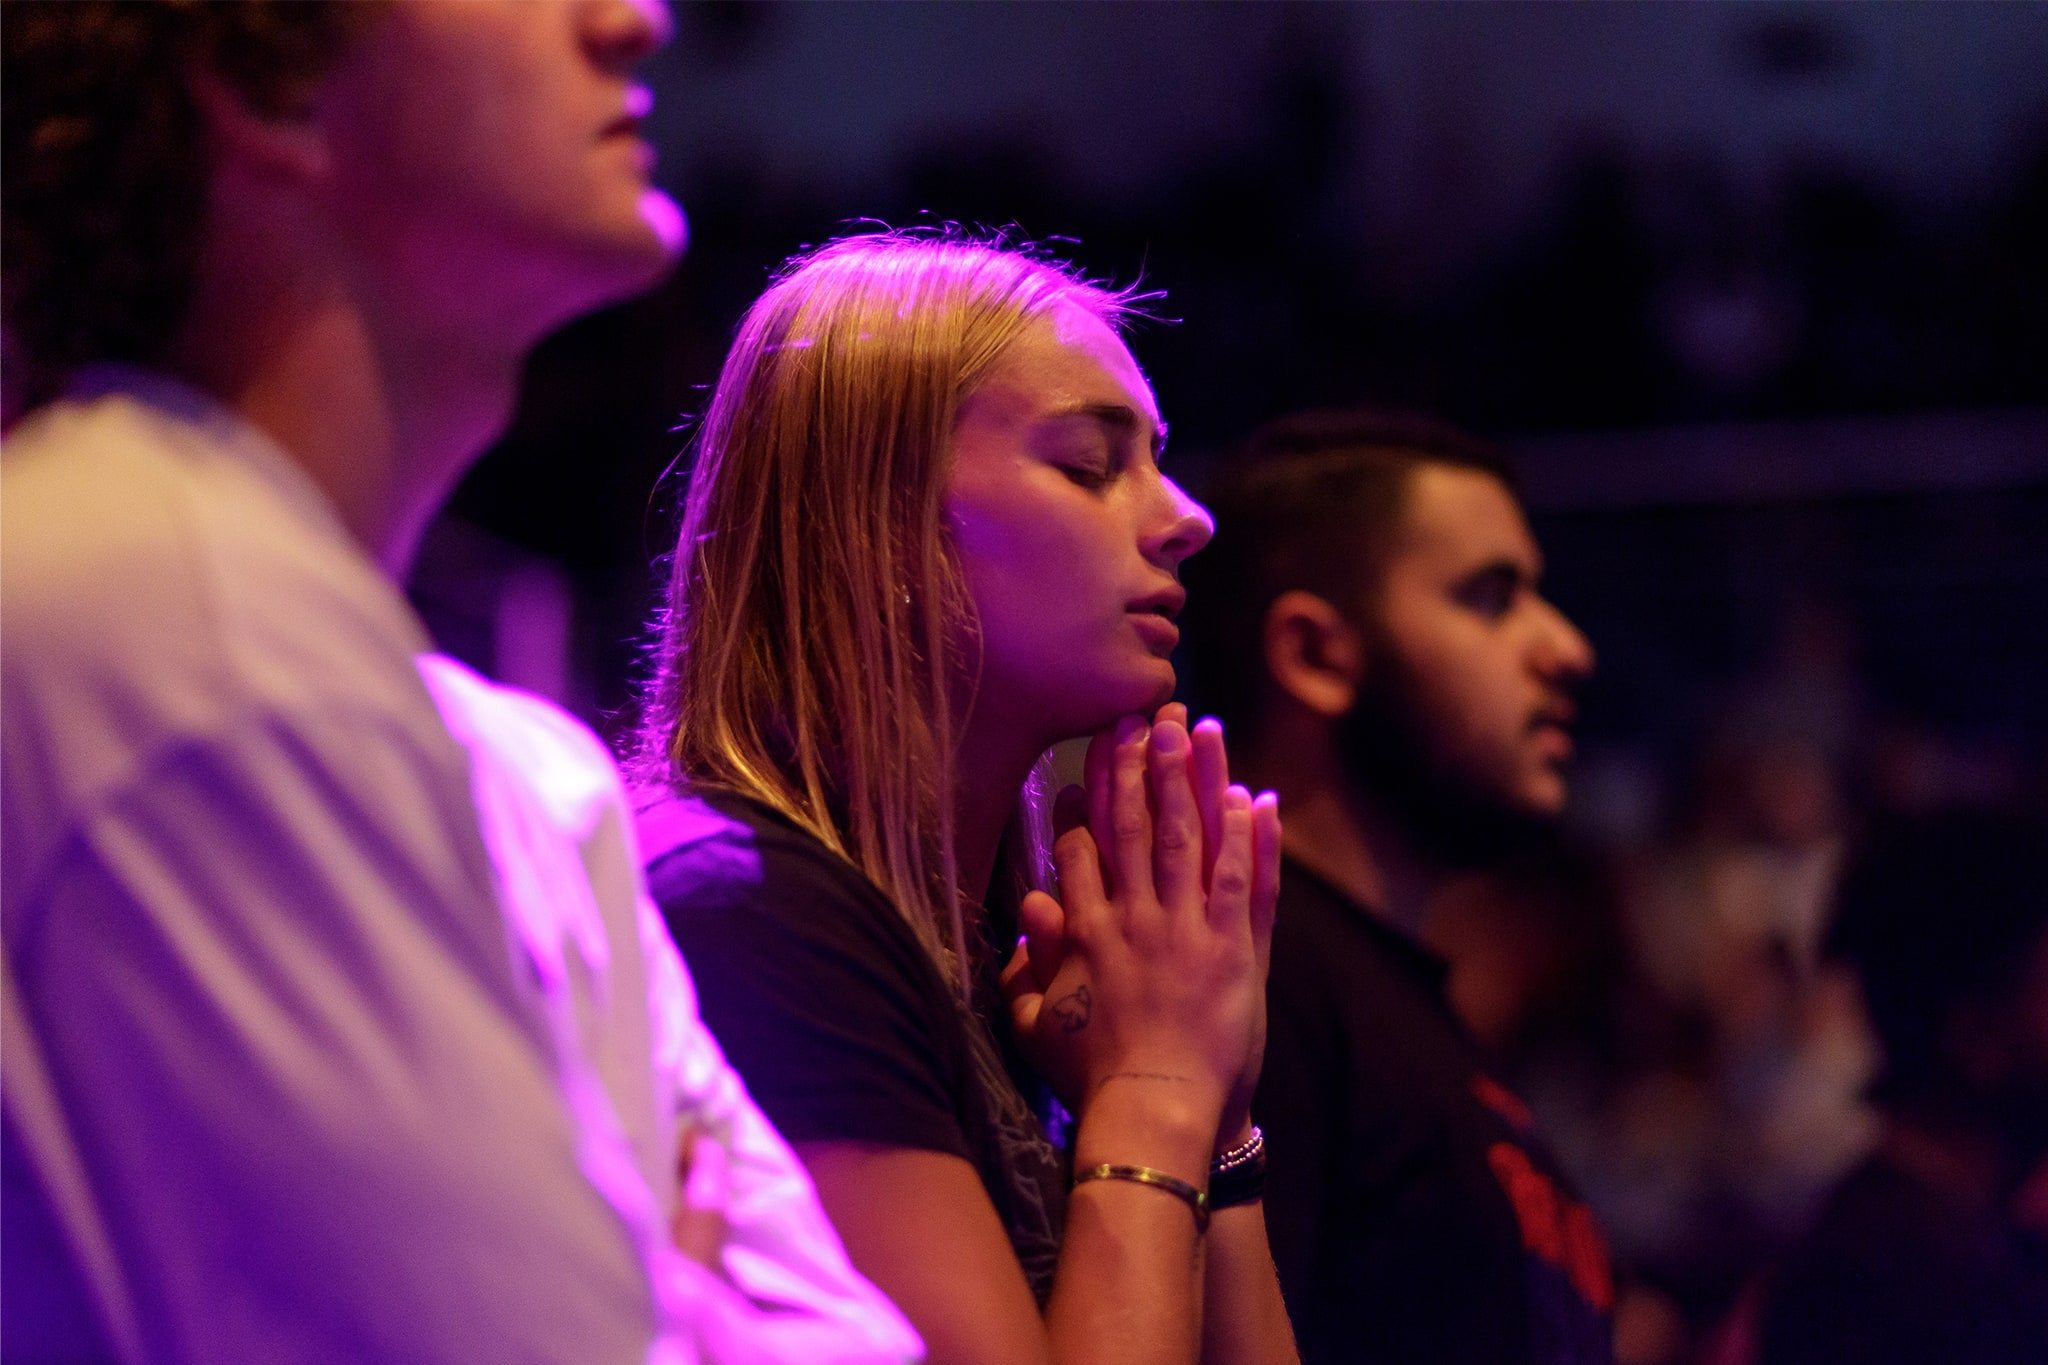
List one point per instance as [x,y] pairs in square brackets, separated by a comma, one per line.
[1184,526]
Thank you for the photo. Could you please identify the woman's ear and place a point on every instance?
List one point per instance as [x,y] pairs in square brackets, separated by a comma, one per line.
[1313,653]
[288,142]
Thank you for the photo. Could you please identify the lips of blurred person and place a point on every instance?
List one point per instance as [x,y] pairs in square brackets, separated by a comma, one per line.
[475,148]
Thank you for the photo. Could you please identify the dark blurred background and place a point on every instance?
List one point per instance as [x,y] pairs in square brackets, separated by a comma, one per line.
[1757,294]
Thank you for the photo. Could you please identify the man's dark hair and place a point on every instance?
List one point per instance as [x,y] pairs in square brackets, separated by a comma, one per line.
[1309,502]
[107,162]
[1935,912]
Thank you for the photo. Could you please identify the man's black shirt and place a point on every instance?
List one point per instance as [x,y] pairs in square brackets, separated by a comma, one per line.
[1413,1215]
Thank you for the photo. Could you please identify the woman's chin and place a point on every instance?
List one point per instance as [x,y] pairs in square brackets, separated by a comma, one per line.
[1085,701]
[1136,694]
[1162,692]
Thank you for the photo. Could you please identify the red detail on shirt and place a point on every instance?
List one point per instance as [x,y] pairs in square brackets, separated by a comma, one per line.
[1555,1228]
[1502,1101]
[1585,1257]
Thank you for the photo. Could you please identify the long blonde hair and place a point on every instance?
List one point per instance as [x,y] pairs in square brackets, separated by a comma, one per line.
[817,626]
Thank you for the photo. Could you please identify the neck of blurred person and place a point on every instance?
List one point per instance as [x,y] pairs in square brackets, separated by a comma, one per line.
[383,416]
[379,252]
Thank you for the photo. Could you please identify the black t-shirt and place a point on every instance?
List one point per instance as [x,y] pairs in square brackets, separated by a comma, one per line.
[834,1014]
[1413,1215]
[1892,1272]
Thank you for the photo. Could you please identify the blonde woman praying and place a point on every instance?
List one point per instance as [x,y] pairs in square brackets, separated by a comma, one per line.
[927,537]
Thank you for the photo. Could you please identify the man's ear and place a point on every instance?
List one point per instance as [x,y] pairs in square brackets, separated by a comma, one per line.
[1313,653]
[287,143]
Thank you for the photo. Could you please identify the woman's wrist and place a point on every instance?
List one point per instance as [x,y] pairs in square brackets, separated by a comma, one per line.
[1233,1135]
[1148,1119]
[1238,1176]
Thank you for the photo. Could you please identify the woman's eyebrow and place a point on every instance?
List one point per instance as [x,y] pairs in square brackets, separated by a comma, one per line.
[1118,419]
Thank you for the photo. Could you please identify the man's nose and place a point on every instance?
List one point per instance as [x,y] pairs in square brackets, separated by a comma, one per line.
[1565,653]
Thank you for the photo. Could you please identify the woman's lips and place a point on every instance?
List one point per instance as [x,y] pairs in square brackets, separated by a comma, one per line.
[1159,634]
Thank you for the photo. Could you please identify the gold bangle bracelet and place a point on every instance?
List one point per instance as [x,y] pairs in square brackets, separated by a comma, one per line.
[1195,1199]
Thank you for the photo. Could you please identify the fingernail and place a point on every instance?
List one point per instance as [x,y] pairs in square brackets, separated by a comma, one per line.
[1238,797]
[1210,724]
[1129,729]
[1169,739]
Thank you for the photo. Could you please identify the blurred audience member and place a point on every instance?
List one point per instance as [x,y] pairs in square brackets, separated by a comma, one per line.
[1738,1104]
[338,1025]
[1368,625]
[1763,1040]
[1935,1249]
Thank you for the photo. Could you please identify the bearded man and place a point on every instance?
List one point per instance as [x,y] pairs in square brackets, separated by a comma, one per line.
[1368,626]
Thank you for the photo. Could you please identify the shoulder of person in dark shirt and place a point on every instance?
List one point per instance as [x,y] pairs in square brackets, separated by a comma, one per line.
[810,978]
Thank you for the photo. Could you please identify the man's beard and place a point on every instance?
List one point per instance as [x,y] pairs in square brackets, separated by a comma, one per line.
[1448,818]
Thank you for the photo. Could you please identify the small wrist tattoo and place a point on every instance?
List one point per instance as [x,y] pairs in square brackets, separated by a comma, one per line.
[1073,1009]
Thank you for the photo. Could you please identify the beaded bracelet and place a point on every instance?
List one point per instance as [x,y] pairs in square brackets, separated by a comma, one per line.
[1239,1175]
[1159,1180]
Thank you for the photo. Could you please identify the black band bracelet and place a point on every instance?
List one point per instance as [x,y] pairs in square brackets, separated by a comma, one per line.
[1239,1175]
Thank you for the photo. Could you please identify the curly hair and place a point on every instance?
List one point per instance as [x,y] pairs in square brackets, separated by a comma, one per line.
[107,162]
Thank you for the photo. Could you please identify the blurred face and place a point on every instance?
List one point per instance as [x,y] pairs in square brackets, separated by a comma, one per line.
[485,155]
[1467,706]
[1070,537]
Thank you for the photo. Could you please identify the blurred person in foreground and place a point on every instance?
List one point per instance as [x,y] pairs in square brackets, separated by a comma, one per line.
[1935,1248]
[338,1025]
[1369,628]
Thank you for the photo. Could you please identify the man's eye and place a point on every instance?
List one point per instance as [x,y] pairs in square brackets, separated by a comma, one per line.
[1089,476]
[1490,596]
